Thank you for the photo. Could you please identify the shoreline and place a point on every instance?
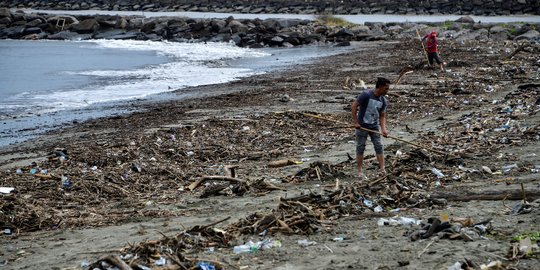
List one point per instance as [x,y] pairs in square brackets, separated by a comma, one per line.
[278,59]
[139,186]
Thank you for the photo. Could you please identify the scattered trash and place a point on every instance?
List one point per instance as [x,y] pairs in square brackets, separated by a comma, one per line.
[66,183]
[85,264]
[521,208]
[494,265]
[451,231]
[161,261]
[437,172]
[306,243]
[508,168]
[6,190]
[405,221]
[136,168]
[455,266]
[206,266]
[251,247]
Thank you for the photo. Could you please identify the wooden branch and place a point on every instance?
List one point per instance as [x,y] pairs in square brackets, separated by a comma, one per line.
[46,176]
[491,195]
[230,170]
[203,179]
[202,228]
[281,163]
[376,131]
[116,261]
[519,49]
[284,226]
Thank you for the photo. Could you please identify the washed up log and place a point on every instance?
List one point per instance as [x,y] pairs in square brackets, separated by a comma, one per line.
[116,261]
[281,163]
[230,170]
[521,48]
[46,176]
[203,179]
[490,195]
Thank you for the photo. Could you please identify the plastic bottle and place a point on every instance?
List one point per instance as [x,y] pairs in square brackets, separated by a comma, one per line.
[65,182]
[244,249]
[437,172]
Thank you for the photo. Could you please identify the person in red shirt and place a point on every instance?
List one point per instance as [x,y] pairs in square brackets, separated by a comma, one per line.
[432,49]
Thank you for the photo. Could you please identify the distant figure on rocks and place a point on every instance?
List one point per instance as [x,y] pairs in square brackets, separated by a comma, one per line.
[432,49]
[369,112]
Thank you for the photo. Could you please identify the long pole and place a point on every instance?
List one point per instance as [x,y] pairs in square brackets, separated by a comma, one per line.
[423,48]
[376,131]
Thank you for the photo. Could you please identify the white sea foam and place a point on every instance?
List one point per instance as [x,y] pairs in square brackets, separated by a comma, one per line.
[193,64]
[184,51]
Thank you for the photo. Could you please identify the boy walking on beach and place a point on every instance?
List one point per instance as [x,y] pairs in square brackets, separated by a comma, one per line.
[432,49]
[369,112]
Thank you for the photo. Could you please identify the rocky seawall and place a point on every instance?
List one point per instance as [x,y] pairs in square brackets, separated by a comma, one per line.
[461,7]
[254,33]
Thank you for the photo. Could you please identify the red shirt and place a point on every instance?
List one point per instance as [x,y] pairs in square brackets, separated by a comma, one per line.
[431,43]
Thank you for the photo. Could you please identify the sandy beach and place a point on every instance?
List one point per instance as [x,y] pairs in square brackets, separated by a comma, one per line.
[117,184]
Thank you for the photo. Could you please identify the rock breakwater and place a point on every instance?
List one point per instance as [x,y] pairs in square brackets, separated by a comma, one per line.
[252,33]
[461,7]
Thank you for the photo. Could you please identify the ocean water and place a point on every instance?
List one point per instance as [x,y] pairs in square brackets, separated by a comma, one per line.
[50,84]
[358,19]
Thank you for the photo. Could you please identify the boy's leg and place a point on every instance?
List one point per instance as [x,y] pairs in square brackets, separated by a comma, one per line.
[430,59]
[361,137]
[439,61]
[379,149]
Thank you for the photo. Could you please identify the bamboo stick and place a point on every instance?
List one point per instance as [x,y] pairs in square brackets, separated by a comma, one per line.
[376,131]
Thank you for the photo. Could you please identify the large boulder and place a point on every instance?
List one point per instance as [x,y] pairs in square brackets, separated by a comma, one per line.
[32,30]
[4,12]
[465,19]
[217,25]
[394,29]
[237,27]
[198,26]
[5,21]
[34,23]
[498,33]
[287,23]
[480,34]
[68,35]
[109,34]
[135,23]
[121,23]
[13,32]
[530,35]
[87,26]
[499,36]
[360,29]
[148,27]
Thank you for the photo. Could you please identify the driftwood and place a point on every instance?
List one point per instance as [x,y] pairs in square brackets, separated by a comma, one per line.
[230,170]
[203,179]
[281,163]
[116,261]
[521,48]
[492,195]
